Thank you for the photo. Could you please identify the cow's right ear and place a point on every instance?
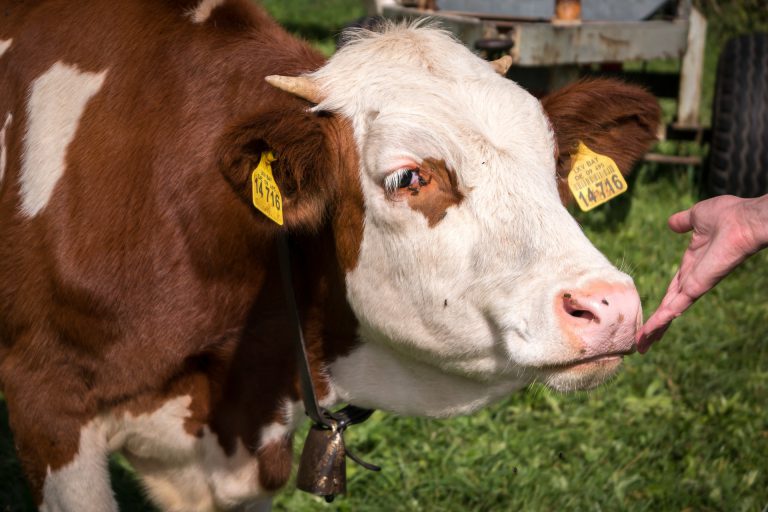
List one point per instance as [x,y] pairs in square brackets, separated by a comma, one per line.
[303,165]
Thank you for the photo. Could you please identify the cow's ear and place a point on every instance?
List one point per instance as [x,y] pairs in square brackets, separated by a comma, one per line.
[303,169]
[611,117]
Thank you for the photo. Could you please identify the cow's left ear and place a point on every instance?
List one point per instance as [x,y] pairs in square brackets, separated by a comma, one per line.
[305,162]
[611,117]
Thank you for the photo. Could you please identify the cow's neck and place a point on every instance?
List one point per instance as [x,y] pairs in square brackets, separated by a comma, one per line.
[330,327]
[256,394]
[376,376]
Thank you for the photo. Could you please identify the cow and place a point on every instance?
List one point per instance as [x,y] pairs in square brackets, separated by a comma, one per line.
[435,267]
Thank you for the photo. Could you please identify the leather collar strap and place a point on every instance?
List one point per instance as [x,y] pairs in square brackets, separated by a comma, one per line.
[321,417]
[311,407]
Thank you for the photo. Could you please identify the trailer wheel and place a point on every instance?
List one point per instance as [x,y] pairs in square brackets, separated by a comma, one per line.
[738,152]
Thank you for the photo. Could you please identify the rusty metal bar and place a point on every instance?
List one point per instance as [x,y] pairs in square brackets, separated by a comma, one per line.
[549,44]
[672,159]
[543,44]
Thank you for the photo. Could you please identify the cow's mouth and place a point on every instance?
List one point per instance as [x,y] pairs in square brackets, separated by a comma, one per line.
[607,358]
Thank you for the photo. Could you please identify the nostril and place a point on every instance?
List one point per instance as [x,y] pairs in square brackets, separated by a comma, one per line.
[582,313]
[573,308]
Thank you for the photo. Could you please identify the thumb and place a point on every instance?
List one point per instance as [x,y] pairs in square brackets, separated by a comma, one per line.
[680,222]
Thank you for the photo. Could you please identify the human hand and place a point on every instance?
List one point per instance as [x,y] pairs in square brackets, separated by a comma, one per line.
[726,230]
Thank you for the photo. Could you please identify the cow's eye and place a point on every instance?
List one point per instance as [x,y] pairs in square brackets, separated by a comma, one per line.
[402,178]
[407,178]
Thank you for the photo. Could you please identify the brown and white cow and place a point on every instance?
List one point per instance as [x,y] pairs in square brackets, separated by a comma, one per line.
[141,307]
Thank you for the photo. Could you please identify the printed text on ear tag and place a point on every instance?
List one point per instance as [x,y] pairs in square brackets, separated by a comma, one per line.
[266,195]
[594,179]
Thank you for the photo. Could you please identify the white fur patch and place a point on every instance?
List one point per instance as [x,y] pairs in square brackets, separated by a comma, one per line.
[4,45]
[165,455]
[3,150]
[375,376]
[273,433]
[159,434]
[83,484]
[203,11]
[182,488]
[57,101]
[182,472]
[233,479]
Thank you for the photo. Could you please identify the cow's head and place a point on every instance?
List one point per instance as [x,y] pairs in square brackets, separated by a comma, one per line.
[469,273]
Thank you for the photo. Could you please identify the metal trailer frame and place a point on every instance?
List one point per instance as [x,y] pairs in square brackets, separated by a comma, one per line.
[549,53]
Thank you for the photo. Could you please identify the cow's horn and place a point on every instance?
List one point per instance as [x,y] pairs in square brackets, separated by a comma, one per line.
[502,65]
[299,86]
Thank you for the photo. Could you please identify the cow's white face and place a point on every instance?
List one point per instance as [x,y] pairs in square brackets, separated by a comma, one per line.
[471,273]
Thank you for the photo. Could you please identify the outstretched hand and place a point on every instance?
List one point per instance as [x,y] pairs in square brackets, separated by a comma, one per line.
[726,231]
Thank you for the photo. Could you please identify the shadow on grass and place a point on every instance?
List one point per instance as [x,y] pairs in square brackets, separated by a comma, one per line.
[15,495]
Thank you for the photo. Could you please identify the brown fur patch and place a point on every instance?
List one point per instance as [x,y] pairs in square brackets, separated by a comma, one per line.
[611,117]
[275,463]
[349,207]
[436,191]
[149,275]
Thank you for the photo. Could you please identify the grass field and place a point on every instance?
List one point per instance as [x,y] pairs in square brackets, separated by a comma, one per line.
[684,428]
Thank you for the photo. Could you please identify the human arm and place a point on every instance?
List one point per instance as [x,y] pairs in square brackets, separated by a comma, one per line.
[726,231]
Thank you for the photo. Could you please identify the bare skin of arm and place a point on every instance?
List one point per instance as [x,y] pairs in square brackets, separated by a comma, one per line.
[726,231]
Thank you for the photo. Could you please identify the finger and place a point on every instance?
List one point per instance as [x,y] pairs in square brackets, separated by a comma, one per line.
[680,303]
[681,283]
[646,339]
[680,222]
[660,319]
[658,323]
[672,291]
[663,316]
[651,332]
[669,310]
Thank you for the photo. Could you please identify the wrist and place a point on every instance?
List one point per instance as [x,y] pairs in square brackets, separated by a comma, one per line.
[756,217]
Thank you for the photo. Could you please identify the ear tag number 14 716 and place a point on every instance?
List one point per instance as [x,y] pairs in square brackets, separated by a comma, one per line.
[594,179]
[266,194]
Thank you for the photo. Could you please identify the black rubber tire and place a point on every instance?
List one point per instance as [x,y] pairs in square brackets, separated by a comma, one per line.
[738,153]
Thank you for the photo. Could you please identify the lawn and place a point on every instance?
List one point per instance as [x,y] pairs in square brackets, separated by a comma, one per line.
[684,427]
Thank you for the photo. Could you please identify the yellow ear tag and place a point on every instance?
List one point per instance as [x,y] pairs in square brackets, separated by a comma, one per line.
[594,179]
[266,194]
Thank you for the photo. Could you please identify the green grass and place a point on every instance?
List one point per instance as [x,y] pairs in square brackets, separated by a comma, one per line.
[319,22]
[682,428]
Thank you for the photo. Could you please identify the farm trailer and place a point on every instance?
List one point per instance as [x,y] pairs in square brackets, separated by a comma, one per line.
[555,42]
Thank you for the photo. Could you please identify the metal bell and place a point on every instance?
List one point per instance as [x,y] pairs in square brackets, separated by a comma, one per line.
[323,467]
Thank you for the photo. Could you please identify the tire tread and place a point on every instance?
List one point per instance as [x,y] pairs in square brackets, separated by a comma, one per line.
[738,158]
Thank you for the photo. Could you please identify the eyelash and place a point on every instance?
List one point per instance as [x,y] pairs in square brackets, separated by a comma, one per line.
[393,182]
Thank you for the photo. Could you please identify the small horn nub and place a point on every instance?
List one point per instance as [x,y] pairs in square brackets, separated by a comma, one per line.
[502,65]
[299,86]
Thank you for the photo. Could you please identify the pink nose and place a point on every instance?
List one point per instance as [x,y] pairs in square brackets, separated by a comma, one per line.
[601,317]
